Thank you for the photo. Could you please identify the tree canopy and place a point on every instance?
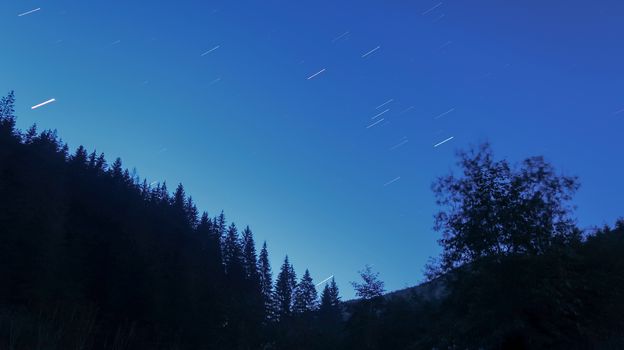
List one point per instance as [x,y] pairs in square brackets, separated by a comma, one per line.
[495,209]
[371,286]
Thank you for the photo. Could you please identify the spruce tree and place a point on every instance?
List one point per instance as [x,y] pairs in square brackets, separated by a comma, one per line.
[218,224]
[330,316]
[144,190]
[179,198]
[79,158]
[250,258]
[284,288]
[232,253]
[265,277]
[211,244]
[93,159]
[330,298]
[117,169]
[306,297]
[191,212]
[100,163]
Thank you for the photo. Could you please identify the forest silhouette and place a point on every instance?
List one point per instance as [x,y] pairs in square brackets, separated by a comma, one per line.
[92,257]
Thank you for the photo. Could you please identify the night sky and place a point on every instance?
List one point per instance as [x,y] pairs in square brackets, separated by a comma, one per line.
[315,121]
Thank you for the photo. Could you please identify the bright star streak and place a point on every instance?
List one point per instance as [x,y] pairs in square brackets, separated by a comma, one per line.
[392,181]
[325,280]
[29,12]
[380,114]
[315,74]
[209,51]
[375,123]
[398,145]
[431,9]
[385,103]
[371,51]
[43,103]
[443,142]
[445,113]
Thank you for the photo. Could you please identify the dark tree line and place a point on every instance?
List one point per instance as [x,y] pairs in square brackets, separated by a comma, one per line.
[80,236]
[92,257]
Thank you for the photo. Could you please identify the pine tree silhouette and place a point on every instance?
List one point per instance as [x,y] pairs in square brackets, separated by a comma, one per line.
[285,285]
[266,282]
[305,295]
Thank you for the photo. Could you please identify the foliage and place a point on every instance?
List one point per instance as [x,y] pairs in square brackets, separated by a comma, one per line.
[371,286]
[495,210]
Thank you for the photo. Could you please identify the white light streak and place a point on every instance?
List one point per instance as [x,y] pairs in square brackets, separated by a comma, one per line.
[385,103]
[431,9]
[315,74]
[380,114]
[29,12]
[392,181]
[375,123]
[209,51]
[398,145]
[43,103]
[371,52]
[445,113]
[325,280]
[443,142]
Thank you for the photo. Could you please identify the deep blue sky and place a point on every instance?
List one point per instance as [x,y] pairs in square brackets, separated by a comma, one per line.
[245,130]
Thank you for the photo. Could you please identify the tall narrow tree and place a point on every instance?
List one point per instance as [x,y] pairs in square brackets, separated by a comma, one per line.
[219,225]
[284,289]
[191,212]
[232,253]
[117,169]
[265,277]
[306,297]
[250,258]
[178,200]
[211,245]
[330,298]
[79,159]
[330,316]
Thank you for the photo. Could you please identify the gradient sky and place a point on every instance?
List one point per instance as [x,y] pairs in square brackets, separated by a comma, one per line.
[245,130]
